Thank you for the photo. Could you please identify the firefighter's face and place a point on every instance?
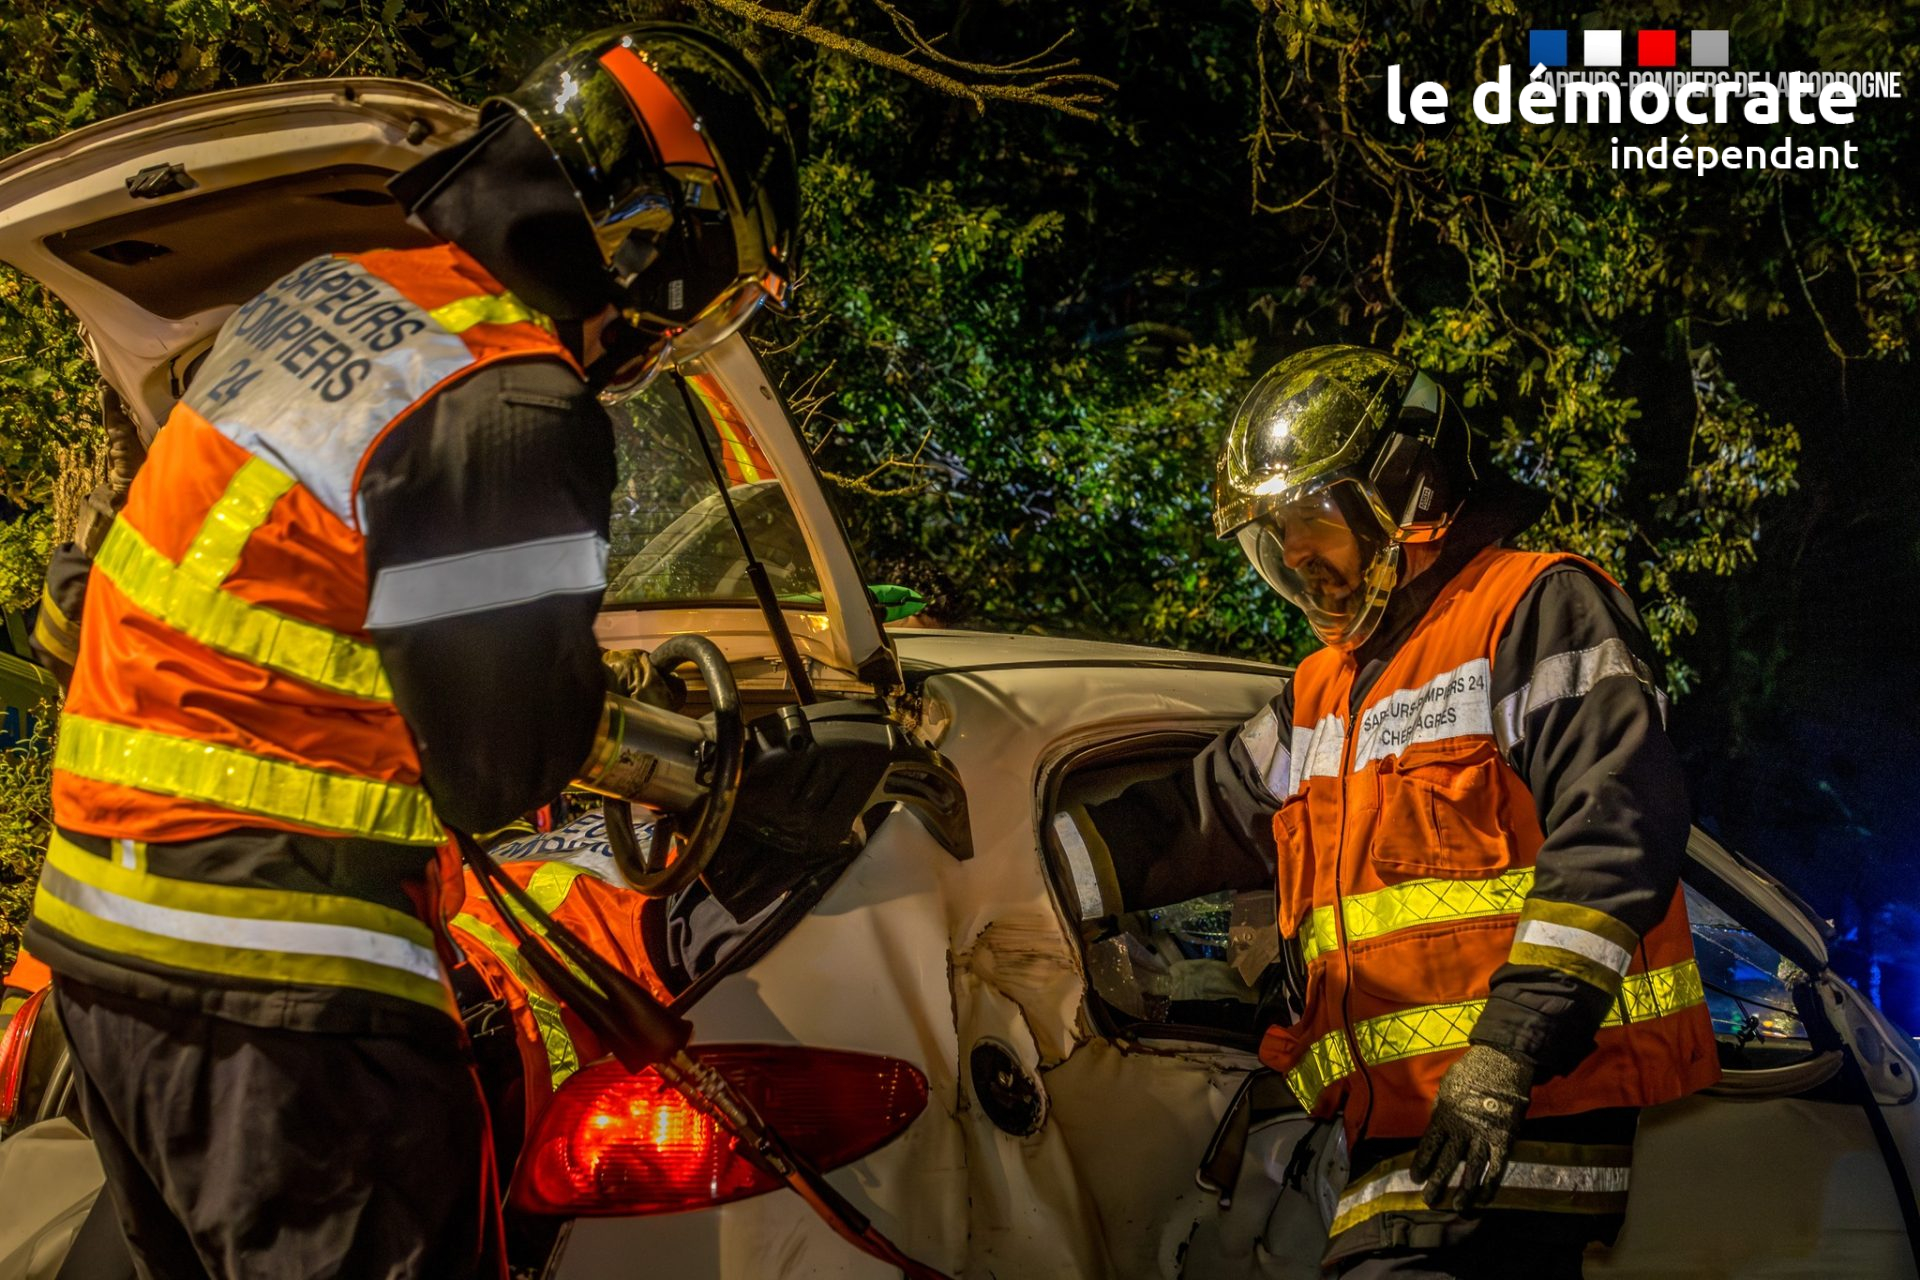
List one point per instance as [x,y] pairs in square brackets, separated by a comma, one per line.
[1318,545]
[1307,551]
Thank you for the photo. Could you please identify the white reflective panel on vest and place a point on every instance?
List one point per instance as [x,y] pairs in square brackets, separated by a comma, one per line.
[1451,705]
[1316,751]
[308,373]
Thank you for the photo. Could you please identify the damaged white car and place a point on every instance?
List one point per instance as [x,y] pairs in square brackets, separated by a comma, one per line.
[1011,1072]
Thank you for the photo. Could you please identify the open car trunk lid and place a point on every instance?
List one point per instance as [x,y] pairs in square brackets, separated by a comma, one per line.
[153,226]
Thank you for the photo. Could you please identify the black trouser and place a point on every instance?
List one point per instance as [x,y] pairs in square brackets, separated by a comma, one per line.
[240,1151]
[1512,1246]
[1484,1244]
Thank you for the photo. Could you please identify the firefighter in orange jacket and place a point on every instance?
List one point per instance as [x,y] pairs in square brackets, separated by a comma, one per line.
[1477,823]
[350,597]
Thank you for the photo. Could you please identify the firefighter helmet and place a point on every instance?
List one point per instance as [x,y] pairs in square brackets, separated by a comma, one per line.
[682,161]
[1331,442]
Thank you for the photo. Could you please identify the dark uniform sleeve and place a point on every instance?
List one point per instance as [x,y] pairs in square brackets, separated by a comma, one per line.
[1580,717]
[486,513]
[1209,827]
[56,627]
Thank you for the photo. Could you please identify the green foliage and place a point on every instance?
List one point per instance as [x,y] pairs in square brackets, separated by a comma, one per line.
[1587,313]
[1020,335]
[26,774]
[1010,432]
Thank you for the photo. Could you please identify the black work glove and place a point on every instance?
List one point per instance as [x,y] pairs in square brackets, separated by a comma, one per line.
[1483,1098]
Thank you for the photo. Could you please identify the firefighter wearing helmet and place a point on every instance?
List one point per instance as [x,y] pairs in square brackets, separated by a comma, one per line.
[350,598]
[1477,824]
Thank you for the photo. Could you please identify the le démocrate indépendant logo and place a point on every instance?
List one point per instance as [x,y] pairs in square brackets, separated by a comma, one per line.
[1674,78]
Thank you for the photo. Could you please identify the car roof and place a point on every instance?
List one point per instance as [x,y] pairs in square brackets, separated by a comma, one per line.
[925,652]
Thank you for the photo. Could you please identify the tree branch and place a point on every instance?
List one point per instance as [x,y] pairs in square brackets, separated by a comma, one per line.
[1058,88]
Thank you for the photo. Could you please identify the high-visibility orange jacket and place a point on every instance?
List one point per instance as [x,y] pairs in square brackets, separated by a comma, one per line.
[1407,848]
[226,681]
[553,1044]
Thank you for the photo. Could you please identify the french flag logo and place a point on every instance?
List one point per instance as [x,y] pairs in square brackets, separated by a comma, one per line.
[1603,50]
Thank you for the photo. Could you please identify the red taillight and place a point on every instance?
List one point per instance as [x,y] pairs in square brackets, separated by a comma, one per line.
[13,1053]
[615,1143]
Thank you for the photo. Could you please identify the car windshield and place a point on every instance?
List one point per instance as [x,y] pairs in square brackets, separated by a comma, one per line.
[672,542]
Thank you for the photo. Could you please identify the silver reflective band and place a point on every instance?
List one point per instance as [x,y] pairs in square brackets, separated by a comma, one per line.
[1565,937]
[476,581]
[1316,751]
[291,937]
[1273,763]
[1520,1176]
[1568,675]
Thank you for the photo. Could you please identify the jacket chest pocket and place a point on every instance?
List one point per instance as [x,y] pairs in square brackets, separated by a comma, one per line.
[1444,816]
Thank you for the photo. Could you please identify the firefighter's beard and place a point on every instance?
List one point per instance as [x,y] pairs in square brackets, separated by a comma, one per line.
[1344,602]
[1328,583]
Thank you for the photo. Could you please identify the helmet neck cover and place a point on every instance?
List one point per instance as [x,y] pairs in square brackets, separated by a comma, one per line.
[502,197]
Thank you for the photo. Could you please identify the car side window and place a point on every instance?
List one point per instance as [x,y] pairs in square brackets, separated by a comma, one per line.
[1750,990]
[1195,963]
[1196,966]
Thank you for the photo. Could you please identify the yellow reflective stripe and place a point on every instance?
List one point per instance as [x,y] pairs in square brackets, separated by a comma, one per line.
[255,964]
[548,888]
[193,604]
[54,632]
[241,509]
[244,902]
[1326,1060]
[1415,903]
[1319,935]
[749,470]
[1418,902]
[1428,1029]
[1554,1177]
[1433,1028]
[238,780]
[462,314]
[549,885]
[1645,996]
[563,1059]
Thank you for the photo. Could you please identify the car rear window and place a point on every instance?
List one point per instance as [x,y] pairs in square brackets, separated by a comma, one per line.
[672,539]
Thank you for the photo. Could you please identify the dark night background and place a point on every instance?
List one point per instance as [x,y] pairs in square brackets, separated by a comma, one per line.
[1022,332]
[1801,741]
